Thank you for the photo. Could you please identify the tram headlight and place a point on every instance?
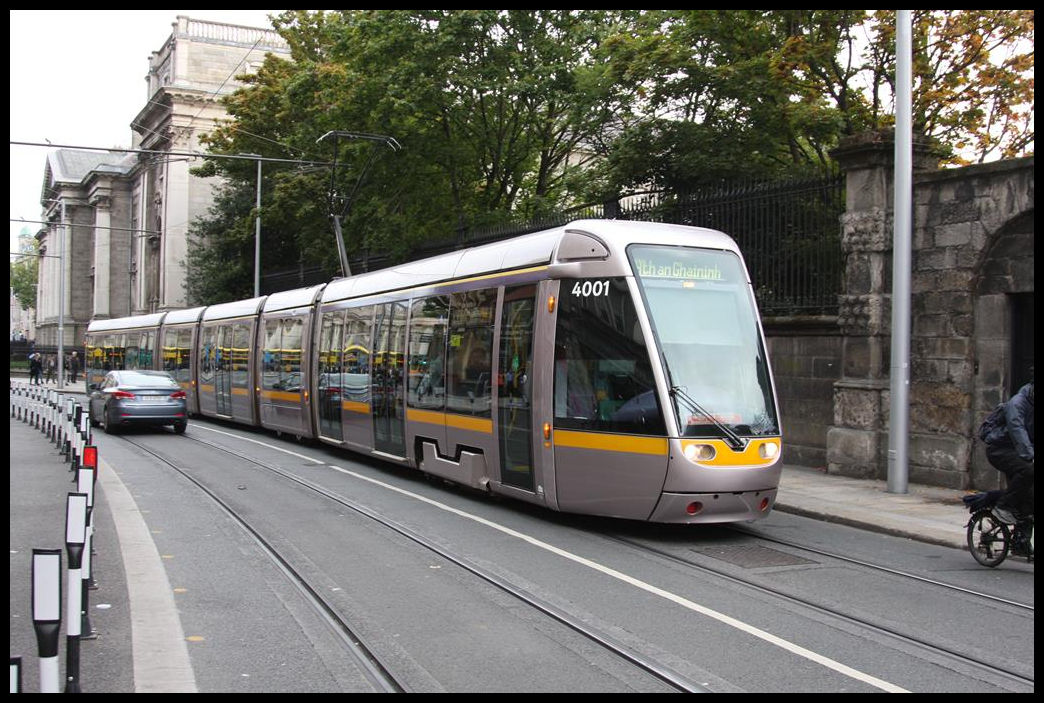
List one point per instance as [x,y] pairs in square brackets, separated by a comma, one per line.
[768,450]
[699,452]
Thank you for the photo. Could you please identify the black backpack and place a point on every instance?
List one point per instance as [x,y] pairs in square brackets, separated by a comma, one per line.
[993,420]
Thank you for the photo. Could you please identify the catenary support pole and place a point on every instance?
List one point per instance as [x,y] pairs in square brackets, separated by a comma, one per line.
[899,437]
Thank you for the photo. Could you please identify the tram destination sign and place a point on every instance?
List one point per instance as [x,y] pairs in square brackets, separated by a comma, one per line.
[684,266]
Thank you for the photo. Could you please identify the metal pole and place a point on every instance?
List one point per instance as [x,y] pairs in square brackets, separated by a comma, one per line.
[257,236]
[898,441]
[61,303]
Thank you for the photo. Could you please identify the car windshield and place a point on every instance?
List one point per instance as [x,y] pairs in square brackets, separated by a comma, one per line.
[706,328]
[144,379]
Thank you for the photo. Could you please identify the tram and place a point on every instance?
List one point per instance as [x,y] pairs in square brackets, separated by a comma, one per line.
[603,367]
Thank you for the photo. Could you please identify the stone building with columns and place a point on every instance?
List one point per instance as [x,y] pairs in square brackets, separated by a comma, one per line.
[120,247]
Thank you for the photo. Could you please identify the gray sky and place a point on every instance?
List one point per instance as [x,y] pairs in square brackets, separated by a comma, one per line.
[78,78]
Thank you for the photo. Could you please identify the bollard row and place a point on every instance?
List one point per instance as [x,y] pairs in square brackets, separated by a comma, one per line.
[61,419]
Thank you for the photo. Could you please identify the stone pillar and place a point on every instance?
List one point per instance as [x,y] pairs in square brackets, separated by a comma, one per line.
[857,443]
[102,255]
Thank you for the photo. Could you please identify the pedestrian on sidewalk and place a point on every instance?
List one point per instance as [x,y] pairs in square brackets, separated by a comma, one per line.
[49,368]
[1009,448]
[74,367]
[35,368]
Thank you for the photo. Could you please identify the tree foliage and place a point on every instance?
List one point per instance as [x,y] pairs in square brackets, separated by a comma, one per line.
[509,114]
[24,275]
[973,79]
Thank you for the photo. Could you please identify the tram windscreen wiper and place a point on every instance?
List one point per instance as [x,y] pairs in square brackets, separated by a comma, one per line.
[733,439]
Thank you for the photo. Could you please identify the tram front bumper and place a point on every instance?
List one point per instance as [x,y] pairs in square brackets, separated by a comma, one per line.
[714,507]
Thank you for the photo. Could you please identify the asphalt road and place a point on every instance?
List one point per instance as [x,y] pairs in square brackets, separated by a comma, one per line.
[721,608]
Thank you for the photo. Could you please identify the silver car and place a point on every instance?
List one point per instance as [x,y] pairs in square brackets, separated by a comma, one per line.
[127,398]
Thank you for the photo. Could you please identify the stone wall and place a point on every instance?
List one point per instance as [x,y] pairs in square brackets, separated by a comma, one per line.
[972,250]
[806,362]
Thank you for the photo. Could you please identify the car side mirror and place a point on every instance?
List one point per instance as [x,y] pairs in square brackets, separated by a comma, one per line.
[92,386]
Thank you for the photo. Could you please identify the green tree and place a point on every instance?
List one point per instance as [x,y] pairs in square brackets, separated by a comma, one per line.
[24,275]
[734,93]
[491,108]
[973,79]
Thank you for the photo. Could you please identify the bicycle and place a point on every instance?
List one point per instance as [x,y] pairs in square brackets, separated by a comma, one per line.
[990,540]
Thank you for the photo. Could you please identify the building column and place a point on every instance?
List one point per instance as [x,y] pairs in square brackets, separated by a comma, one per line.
[102,256]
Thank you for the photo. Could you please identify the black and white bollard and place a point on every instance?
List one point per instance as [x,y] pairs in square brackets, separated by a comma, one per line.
[75,539]
[47,614]
[16,674]
[85,485]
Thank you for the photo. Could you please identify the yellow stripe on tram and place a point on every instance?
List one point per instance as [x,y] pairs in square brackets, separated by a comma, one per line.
[460,422]
[631,444]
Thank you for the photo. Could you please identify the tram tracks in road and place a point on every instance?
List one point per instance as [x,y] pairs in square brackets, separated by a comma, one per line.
[997,668]
[382,678]
[882,569]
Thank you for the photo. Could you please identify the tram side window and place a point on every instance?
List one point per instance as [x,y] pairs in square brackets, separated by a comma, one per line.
[291,354]
[114,352]
[240,353]
[184,351]
[332,329]
[207,352]
[427,353]
[271,355]
[131,351]
[469,358]
[357,329]
[147,344]
[602,374]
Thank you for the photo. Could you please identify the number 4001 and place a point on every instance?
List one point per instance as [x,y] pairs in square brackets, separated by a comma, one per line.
[586,289]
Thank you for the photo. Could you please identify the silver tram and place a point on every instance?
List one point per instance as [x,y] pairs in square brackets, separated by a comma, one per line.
[603,367]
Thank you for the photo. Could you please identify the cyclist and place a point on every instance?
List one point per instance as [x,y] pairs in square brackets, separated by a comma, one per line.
[1009,448]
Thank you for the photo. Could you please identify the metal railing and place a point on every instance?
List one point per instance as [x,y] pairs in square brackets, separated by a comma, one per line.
[788,230]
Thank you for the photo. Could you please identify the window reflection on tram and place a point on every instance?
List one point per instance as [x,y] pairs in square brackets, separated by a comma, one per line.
[706,325]
[603,376]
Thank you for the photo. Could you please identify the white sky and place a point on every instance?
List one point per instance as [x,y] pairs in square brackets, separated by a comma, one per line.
[78,78]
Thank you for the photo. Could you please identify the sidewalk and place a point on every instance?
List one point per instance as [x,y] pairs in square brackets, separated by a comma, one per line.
[924,513]
[40,481]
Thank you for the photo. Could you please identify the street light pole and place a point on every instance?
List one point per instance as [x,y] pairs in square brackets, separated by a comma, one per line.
[257,236]
[257,230]
[61,303]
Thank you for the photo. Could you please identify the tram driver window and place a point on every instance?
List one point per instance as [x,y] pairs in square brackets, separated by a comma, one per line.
[603,379]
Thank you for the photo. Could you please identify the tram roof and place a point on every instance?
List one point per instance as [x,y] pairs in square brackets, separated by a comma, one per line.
[299,297]
[237,308]
[126,323]
[539,248]
[175,317]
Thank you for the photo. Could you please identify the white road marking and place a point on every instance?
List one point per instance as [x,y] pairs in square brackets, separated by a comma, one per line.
[613,573]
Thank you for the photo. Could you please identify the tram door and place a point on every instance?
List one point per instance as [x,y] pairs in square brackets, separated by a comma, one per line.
[515,397]
[223,370]
[388,377]
[330,386]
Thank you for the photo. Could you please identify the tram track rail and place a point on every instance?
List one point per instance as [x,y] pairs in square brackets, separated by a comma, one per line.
[382,678]
[883,569]
[991,667]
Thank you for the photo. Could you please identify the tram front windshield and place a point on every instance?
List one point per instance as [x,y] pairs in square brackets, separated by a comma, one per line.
[706,328]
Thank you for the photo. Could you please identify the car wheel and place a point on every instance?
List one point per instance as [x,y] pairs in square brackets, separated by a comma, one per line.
[179,427]
[90,416]
[107,423]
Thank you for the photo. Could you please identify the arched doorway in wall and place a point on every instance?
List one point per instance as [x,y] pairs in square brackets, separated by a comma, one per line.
[1004,329]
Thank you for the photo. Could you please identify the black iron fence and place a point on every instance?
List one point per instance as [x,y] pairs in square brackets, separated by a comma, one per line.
[789,232]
